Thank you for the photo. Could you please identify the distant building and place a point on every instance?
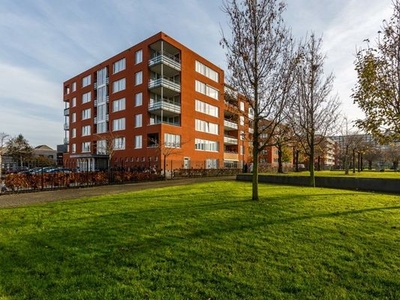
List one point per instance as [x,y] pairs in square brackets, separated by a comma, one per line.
[45,151]
[327,154]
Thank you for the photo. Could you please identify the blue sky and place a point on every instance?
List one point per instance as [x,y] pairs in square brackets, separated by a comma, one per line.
[45,42]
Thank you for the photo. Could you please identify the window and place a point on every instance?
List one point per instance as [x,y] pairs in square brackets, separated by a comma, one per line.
[251,113]
[85,130]
[86,97]
[119,66]
[241,120]
[119,105]
[138,142]
[119,85]
[204,126]
[119,124]
[206,71]
[73,118]
[172,140]
[207,108]
[73,133]
[101,77]
[138,120]
[74,102]
[138,56]
[138,78]
[86,81]
[211,163]
[73,150]
[86,114]
[86,147]
[138,99]
[101,147]
[206,145]
[101,127]
[241,105]
[206,90]
[119,143]
[74,86]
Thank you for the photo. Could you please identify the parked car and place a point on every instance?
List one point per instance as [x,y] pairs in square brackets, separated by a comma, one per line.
[39,170]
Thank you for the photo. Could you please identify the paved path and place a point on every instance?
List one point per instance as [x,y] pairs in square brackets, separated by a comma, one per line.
[13,200]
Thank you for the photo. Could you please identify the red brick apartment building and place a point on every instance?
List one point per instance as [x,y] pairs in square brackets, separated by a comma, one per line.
[156,96]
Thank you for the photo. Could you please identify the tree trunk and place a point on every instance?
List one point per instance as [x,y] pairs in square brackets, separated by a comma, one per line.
[346,161]
[312,162]
[255,174]
[165,167]
[354,161]
[297,160]
[255,162]
[280,165]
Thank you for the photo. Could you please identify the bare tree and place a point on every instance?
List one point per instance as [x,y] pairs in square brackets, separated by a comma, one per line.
[314,112]
[106,145]
[372,153]
[283,139]
[260,60]
[167,149]
[392,154]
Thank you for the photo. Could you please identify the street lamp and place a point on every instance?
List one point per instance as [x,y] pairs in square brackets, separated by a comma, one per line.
[3,136]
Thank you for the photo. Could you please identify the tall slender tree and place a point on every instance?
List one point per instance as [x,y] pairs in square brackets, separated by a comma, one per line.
[377,91]
[314,112]
[260,62]
[19,149]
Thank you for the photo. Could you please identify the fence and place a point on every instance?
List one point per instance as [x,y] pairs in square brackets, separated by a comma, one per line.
[27,182]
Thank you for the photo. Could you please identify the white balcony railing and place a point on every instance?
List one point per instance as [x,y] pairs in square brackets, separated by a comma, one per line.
[229,124]
[230,140]
[166,59]
[164,105]
[154,83]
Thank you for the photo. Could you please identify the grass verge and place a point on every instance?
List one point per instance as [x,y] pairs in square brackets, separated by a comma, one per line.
[204,241]
[364,174]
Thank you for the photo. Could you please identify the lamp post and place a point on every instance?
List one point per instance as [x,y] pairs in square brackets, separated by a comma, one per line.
[3,136]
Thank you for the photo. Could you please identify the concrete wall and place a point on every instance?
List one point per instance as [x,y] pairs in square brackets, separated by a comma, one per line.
[348,183]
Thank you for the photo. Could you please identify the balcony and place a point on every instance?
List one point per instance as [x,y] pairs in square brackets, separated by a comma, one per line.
[228,125]
[171,65]
[228,140]
[168,109]
[66,112]
[231,156]
[66,141]
[170,88]
[66,126]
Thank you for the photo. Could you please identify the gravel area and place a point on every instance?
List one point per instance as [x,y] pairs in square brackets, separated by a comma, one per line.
[22,199]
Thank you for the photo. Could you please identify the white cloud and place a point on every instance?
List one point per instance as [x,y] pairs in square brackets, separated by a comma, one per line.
[28,87]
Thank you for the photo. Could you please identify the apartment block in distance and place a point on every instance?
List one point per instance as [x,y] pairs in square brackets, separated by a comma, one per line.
[156,100]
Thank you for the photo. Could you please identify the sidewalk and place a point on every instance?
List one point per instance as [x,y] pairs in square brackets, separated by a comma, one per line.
[14,200]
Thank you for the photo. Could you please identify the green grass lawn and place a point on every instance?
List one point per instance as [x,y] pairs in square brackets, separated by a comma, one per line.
[205,241]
